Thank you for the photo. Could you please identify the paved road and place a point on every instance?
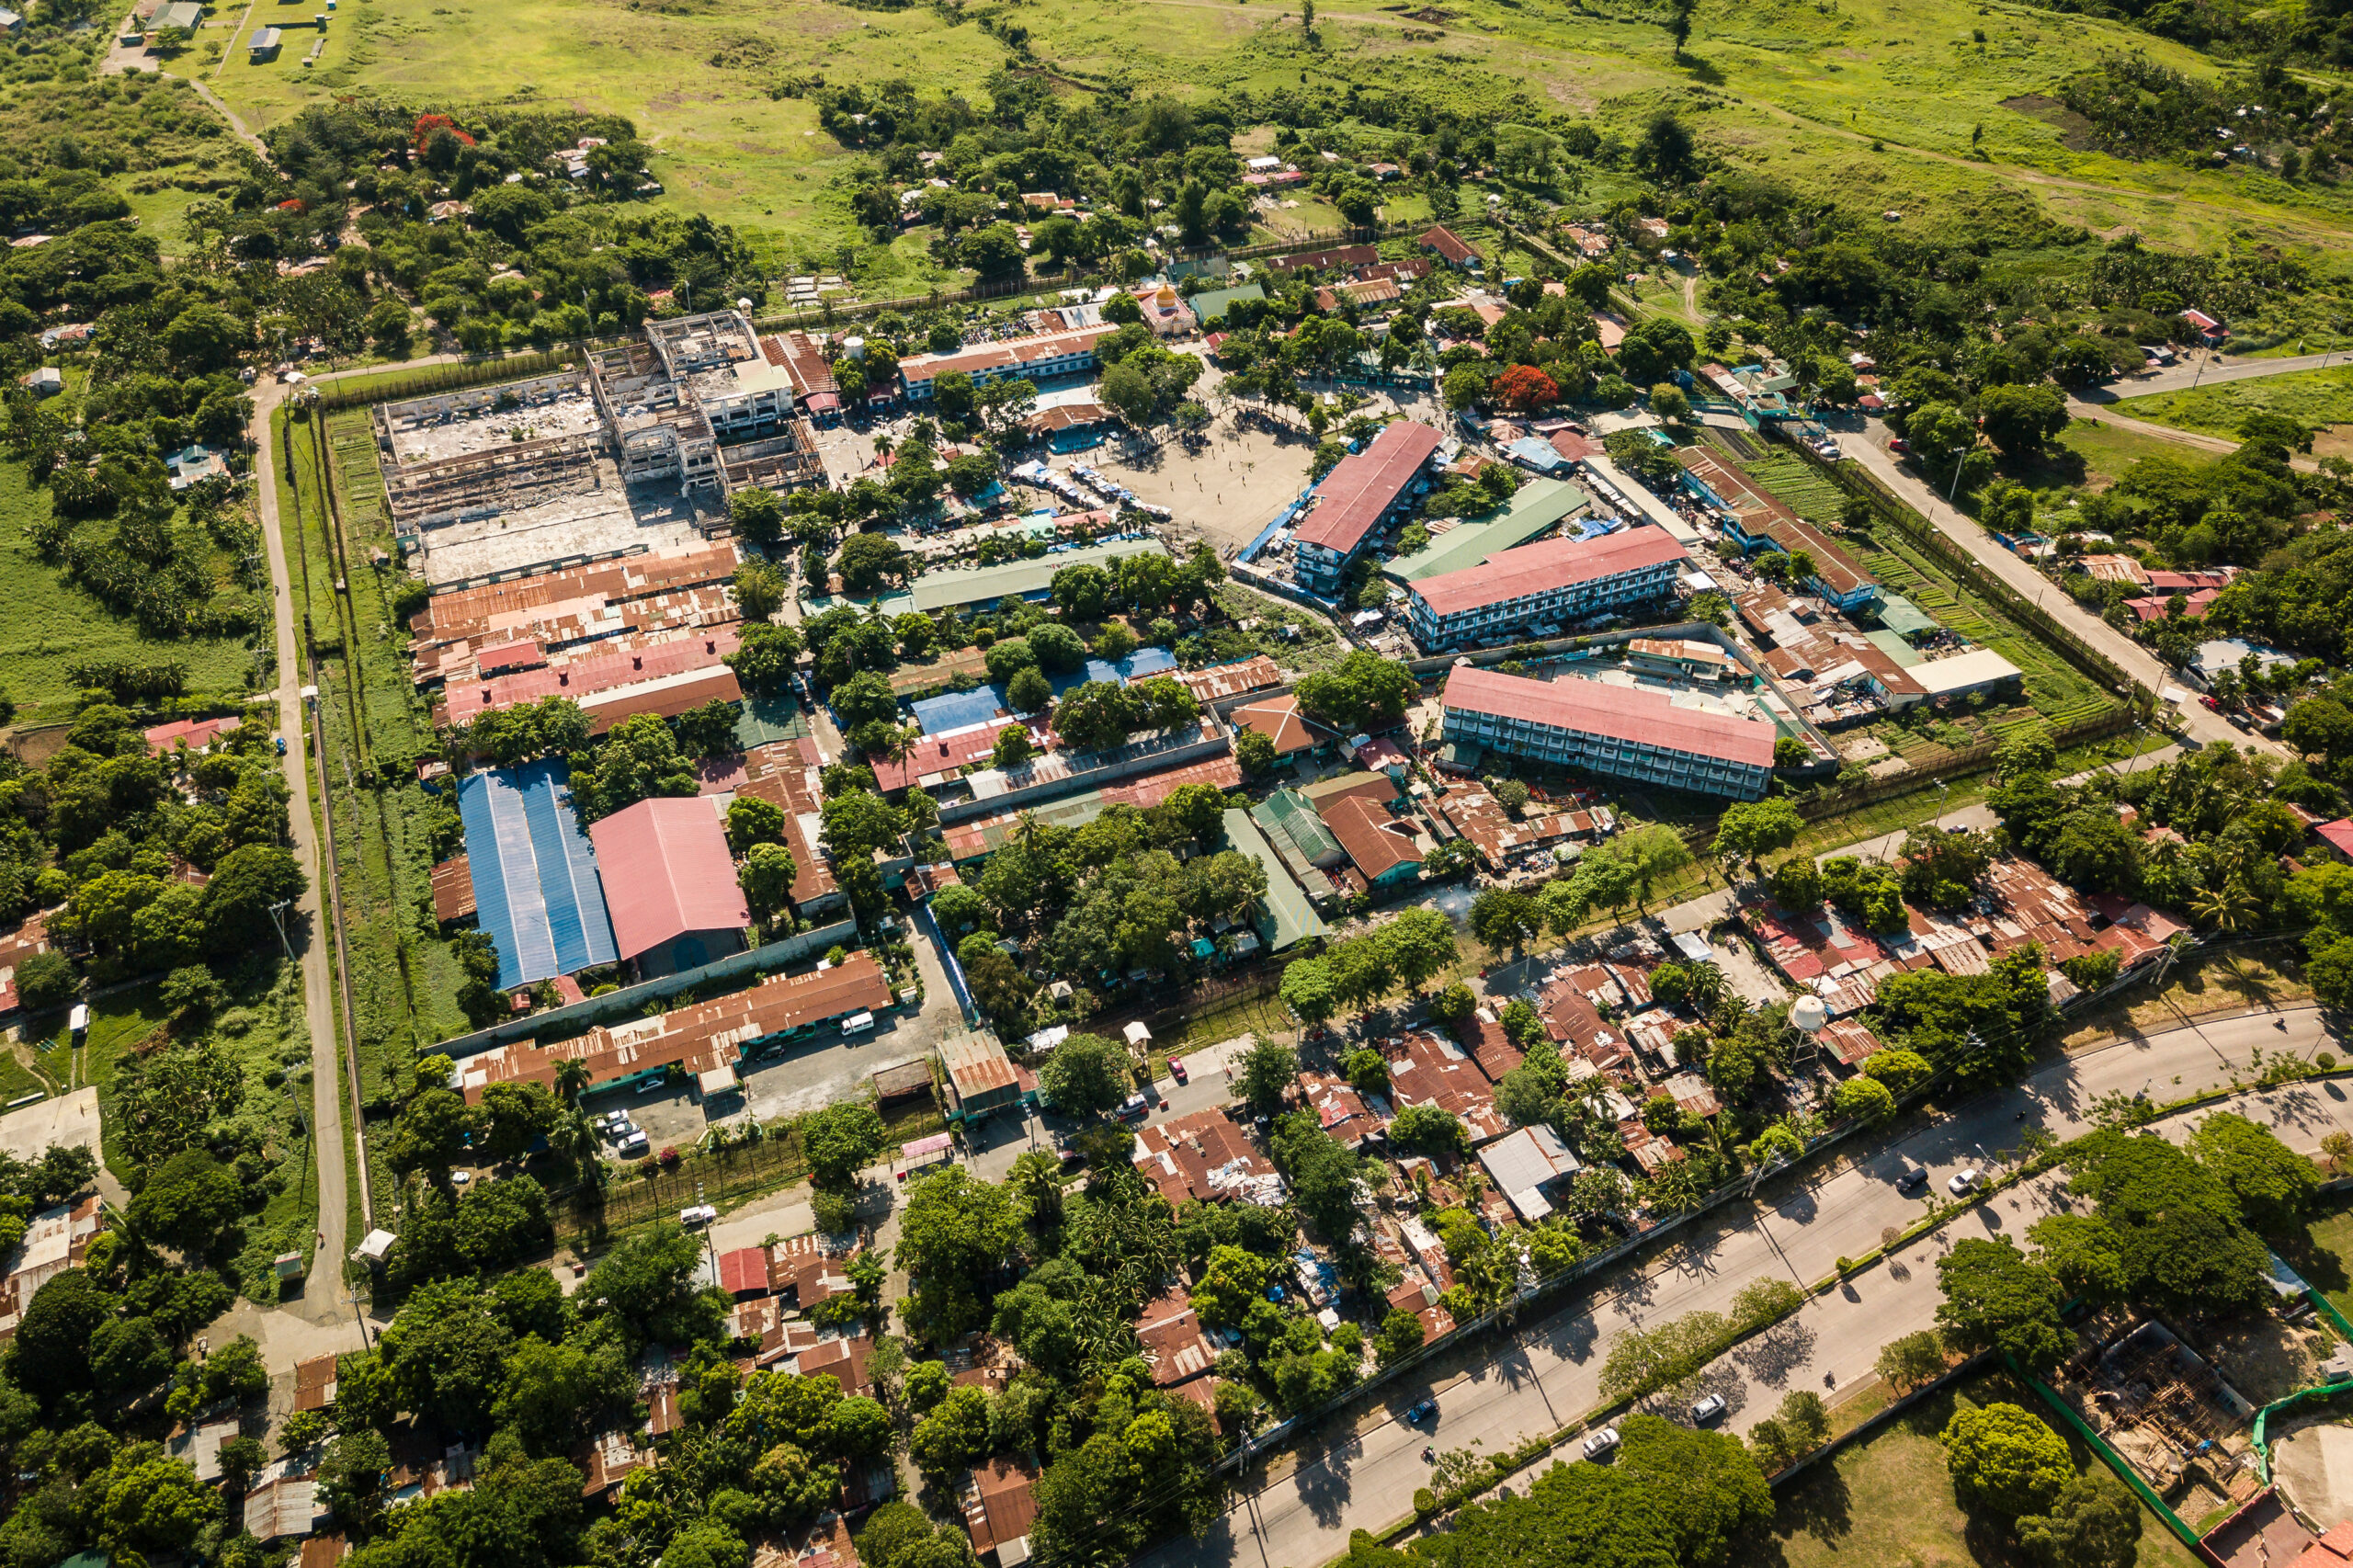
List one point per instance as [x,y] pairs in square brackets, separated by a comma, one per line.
[311,928]
[2127,655]
[1547,1374]
[1836,1339]
[2098,404]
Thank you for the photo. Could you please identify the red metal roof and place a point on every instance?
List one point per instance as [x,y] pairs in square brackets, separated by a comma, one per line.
[1540,568]
[1280,719]
[666,872]
[1615,712]
[593,676]
[1444,241]
[940,754]
[744,1272]
[198,732]
[1365,484]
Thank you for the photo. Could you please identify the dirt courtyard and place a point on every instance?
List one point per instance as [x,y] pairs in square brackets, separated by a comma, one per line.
[2313,1468]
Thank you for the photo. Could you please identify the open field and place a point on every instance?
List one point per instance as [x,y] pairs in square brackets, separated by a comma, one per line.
[262,1031]
[1889,1499]
[2057,693]
[2101,452]
[1870,103]
[53,624]
[2311,398]
[2226,982]
[2323,1254]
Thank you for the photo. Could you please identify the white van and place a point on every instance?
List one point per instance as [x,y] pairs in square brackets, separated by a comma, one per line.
[697,1214]
[857,1023]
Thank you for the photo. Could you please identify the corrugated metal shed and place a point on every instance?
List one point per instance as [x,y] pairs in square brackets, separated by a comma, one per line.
[671,854]
[536,889]
[979,1071]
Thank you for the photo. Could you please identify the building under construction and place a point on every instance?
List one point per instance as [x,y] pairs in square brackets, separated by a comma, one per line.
[2165,1408]
[636,450]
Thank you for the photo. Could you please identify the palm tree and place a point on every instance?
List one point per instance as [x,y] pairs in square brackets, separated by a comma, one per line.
[571,1080]
[2228,908]
[902,744]
[882,445]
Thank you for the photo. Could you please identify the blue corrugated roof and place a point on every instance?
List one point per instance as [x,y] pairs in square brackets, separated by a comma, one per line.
[535,889]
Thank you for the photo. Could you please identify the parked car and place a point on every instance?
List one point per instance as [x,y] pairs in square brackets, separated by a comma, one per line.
[460,1179]
[1417,1415]
[1965,1183]
[659,1084]
[697,1214]
[1911,1175]
[1177,1070]
[1602,1442]
[1708,1409]
[857,1023]
[1135,1107]
[1898,445]
[633,1146]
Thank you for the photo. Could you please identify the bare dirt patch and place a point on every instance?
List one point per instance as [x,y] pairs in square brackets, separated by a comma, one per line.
[2075,131]
[2269,1360]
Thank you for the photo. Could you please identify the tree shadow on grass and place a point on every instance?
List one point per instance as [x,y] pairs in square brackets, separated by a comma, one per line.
[1819,1506]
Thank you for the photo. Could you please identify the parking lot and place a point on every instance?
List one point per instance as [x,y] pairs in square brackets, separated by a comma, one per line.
[798,1080]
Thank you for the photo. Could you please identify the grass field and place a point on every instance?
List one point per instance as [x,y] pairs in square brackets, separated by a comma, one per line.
[1889,1499]
[52,624]
[2101,452]
[2057,693]
[262,1028]
[2311,398]
[2229,982]
[1869,104]
[2323,1254]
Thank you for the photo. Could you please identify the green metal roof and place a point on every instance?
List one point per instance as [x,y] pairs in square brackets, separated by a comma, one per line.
[1290,919]
[1894,647]
[935,591]
[1288,813]
[1539,505]
[1902,617]
[1210,304]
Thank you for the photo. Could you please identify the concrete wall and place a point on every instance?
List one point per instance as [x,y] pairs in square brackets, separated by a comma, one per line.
[576,1017]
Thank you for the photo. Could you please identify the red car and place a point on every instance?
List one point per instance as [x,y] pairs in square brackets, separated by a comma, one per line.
[1898,445]
[1177,1071]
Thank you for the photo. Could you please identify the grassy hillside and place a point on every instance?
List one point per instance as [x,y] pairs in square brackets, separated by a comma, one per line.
[1955,94]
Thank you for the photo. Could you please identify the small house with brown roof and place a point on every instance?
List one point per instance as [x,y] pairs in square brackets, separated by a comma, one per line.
[1449,247]
[999,1510]
[1278,719]
[1205,1156]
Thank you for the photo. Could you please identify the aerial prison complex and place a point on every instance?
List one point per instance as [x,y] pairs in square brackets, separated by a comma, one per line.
[638,448]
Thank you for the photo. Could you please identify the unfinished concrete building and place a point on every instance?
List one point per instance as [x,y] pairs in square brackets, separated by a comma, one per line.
[694,382]
[635,451]
[458,457]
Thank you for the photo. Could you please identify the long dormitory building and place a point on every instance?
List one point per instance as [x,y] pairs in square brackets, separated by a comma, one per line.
[1364,491]
[1618,732]
[1543,587]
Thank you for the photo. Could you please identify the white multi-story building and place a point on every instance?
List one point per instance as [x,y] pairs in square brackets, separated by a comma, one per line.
[1364,491]
[1543,587]
[1619,731]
